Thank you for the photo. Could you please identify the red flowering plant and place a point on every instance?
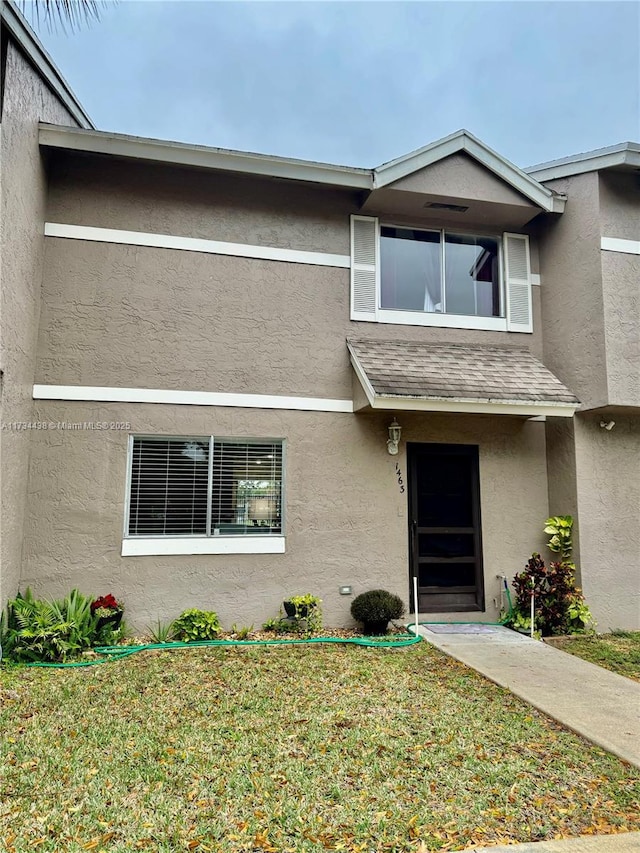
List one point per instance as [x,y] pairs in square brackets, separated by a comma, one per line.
[106,605]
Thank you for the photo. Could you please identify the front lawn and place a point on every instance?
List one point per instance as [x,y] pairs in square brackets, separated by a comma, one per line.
[267,750]
[619,652]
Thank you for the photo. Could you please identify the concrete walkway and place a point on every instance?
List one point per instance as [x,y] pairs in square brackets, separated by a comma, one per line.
[597,704]
[627,842]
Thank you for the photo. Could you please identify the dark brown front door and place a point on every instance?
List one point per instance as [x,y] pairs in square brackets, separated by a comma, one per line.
[445,544]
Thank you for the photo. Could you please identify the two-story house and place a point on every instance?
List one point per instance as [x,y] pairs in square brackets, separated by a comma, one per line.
[247,377]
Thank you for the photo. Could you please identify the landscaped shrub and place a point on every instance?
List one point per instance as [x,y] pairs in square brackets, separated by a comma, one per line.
[305,613]
[52,631]
[375,608]
[196,625]
[559,606]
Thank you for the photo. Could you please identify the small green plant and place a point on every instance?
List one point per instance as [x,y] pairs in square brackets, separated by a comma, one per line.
[305,613]
[560,527]
[375,609]
[162,632]
[241,633]
[277,626]
[195,625]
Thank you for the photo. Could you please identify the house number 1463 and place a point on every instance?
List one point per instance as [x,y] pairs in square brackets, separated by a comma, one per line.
[400,480]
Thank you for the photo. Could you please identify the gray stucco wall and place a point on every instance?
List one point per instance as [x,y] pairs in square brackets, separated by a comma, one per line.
[346,519]
[158,318]
[562,476]
[621,291]
[608,469]
[572,300]
[619,194]
[22,207]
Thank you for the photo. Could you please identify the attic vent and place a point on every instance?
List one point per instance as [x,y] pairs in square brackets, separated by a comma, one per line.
[437,205]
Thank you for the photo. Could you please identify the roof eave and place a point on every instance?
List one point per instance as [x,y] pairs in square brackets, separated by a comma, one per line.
[200,156]
[454,405]
[29,43]
[629,155]
[464,141]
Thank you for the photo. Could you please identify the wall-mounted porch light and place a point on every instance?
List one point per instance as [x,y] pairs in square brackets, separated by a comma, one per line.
[395,431]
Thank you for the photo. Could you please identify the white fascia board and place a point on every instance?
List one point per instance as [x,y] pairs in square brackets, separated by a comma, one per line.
[363,379]
[193,244]
[168,546]
[527,408]
[464,141]
[626,155]
[24,36]
[101,394]
[202,156]
[617,244]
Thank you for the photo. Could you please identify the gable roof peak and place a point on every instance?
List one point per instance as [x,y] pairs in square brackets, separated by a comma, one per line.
[464,141]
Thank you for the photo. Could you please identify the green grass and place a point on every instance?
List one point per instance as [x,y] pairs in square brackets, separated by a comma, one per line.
[619,651]
[268,750]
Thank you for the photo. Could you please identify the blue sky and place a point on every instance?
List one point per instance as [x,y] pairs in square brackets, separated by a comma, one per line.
[361,83]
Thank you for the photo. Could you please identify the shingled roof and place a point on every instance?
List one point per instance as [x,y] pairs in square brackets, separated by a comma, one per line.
[493,375]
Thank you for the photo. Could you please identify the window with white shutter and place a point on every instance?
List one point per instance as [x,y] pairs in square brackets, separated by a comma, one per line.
[437,277]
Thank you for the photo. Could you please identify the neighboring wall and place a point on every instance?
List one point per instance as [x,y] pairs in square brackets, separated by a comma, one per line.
[591,319]
[620,218]
[22,204]
[574,343]
[608,465]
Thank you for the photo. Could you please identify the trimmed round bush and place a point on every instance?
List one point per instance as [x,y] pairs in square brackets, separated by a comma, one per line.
[375,608]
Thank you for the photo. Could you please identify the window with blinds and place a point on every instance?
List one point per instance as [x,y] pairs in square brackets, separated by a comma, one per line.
[205,487]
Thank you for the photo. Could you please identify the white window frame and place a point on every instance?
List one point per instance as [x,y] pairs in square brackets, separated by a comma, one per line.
[442,320]
[188,544]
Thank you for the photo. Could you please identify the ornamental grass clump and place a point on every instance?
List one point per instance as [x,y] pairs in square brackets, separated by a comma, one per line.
[375,609]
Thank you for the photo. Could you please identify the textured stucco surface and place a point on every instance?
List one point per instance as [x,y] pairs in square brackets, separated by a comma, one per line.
[562,476]
[620,205]
[460,176]
[346,518]
[572,299]
[160,318]
[608,468]
[621,289]
[22,206]
[231,208]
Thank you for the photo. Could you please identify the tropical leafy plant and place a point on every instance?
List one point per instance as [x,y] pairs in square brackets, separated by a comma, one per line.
[560,528]
[559,606]
[196,625]
[52,631]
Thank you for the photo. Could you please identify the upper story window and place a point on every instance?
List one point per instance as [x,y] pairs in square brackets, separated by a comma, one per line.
[429,277]
[439,272]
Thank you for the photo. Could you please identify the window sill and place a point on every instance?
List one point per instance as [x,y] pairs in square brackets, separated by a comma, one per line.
[191,546]
[448,321]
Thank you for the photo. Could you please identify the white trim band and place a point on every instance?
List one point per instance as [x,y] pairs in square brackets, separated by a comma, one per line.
[94,394]
[192,244]
[617,244]
[167,546]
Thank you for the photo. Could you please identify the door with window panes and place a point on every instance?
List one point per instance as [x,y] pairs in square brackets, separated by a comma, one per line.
[445,544]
